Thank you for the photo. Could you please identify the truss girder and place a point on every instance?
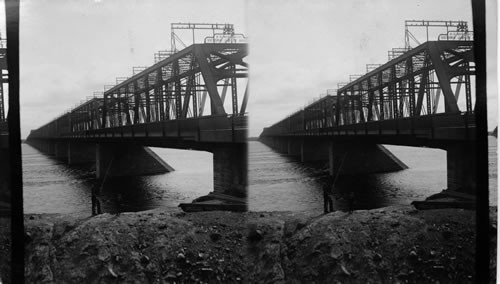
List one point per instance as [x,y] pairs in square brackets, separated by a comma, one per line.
[183,86]
[4,79]
[176,87]
[407,86]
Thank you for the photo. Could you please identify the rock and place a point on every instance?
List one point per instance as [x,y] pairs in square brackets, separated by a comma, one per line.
[27,237]
[447,234]
[103,254]
[413,257]
[47,273]
[112,272]
[144,259]
[237,235]
[171,275]
[215,237]
[181,257]
[438,267]
[344,270]
[377,257]
[207,270]
[255,235]
[300,225]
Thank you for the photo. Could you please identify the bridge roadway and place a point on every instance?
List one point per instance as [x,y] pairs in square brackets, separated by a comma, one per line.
[195,99]
[398,103]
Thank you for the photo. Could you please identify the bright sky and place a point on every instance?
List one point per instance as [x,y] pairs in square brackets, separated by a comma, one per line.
[69,49]
[300,48]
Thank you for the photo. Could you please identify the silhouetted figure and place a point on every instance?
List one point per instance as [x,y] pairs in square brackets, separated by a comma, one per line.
[96,204]
[327,195]
[351,198]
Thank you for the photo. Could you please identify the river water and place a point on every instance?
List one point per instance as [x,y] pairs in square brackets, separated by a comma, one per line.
[276,182]
[50,186]
[281,183]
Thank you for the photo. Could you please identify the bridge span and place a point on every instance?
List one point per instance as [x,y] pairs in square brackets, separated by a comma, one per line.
[5,155]
[192,99]
[422,97]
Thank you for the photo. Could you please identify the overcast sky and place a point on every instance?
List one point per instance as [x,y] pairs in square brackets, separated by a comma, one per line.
[298,49]
[69,49]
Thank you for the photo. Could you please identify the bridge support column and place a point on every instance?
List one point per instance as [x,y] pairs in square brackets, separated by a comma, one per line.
[461,168]
[5,176]
[314,151]
[230,170]
[284,146]
[331,160]
[362,158]
[61,150]
[280,145]
[80,153]
[294,147]
[128,160]
[51,148]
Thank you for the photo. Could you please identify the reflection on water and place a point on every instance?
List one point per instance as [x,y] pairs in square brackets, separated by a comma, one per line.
[280,183]
[50,186]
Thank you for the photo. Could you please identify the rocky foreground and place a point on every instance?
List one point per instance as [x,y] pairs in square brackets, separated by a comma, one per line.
[393,244]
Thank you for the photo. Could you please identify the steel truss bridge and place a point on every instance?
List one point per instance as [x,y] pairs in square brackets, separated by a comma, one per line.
[4,80]
[197,95]
[421,98]
[5,166]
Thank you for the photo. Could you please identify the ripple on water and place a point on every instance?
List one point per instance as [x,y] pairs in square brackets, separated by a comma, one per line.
[278,182]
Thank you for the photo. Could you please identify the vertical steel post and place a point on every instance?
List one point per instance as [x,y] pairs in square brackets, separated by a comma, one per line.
[234,90]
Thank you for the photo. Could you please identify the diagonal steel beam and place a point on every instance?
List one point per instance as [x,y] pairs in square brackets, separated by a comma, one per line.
[451,105]
[211,84]
[245,101]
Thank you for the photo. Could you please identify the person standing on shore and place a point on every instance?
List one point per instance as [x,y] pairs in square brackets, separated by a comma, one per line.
[96,204]
[327,195]
[351,198]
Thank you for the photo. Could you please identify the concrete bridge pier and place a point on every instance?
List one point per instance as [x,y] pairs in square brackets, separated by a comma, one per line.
[230,170]
[362,158]
[128,160]
[61,150]
[294,147]
[42,146]
[280,145]
[461,168]
[348,158]
[79,153]
[311,150]
[46,147]
[5,177]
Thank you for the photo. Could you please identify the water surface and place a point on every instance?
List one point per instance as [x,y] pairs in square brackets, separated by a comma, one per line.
[280,182]
[50,186]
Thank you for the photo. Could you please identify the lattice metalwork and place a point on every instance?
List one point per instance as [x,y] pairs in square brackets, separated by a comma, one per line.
[433,78]
[203,80]
[4,79]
